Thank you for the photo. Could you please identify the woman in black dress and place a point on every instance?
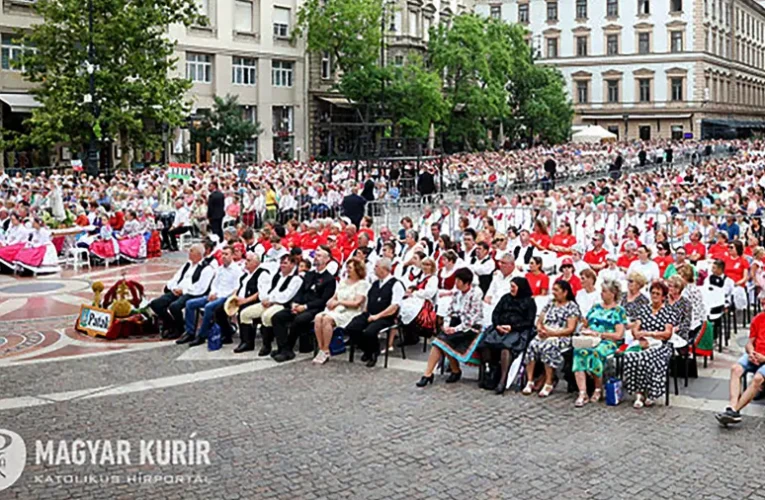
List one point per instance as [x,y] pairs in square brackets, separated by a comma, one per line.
[511,331]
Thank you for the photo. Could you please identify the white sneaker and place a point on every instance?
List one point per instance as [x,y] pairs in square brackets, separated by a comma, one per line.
[320,358]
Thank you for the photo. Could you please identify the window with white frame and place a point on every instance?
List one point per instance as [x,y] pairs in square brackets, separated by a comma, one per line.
[326,66]
[644,43]
[243,10]
[398,60]
[612,8]
[282,119]
[612,44]
[583,91]
[413,24]
[676,41]
[199,67]
[11,49]
[281,73]
[495,11]
[581,9]
[612,91]
[244,70]
[281,22]
[552,11]
[523,13]
[552,48]
[395,22]
[676,87]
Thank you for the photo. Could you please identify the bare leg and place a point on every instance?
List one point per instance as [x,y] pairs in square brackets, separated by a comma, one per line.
[581,381]
[750,392]
[549,373]
[433,359]
[454,364]
[318,329]
[736,372]
[329,329]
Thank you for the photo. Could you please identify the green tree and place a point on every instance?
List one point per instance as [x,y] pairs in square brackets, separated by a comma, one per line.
[226,129]
[414,99]
[135,93]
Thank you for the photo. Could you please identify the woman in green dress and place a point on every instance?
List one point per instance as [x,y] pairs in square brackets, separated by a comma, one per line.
[606,321]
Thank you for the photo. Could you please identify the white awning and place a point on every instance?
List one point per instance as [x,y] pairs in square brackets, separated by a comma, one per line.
[632,116]
[339,101]
[20,103]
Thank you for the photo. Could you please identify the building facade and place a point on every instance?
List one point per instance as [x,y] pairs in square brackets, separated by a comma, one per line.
[245,50]
[652,69]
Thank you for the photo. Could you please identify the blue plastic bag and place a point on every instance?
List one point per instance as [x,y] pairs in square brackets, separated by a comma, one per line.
[614,392]
[337,344]
[215,339]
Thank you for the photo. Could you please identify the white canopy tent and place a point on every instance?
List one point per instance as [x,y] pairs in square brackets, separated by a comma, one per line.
[593,135]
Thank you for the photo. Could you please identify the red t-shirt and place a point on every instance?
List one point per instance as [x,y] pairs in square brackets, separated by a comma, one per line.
[596,257]
[311,241]
[575,282]
[735,268]
[540,239]
[625,260]
[663,263]
[719,251]
[699,248]
[757,332]
[563,241]
[538,282]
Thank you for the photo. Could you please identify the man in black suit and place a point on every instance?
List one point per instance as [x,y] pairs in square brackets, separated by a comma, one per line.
[216,210]
[290,324]
[369,189]
[551,168]
[426,185]
[353,207]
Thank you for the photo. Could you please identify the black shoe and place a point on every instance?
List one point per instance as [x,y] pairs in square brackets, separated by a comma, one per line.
[185,339]
[729,416]
[372,360]
[454,377]
[170,335]
[197,341]
[284,356]
[500,389]
[424,381]
[366,357]
[275,353]
[305,349]
[265,350]
[227,340]
[243,347]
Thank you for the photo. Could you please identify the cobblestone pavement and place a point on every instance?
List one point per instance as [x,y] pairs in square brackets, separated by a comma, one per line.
[344,431]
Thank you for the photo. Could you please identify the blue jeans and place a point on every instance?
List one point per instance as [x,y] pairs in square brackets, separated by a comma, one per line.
[207,318]
[750,367]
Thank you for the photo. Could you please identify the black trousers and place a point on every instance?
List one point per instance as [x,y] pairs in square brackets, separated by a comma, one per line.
[364,334]
[216,226]
[288,327]
[170,236]
[169,307]
[223,321]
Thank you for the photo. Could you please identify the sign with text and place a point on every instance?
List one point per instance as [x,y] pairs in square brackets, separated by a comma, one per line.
[94,321]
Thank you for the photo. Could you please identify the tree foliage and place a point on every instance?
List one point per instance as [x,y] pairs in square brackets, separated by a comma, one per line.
[226,129]
[133,72]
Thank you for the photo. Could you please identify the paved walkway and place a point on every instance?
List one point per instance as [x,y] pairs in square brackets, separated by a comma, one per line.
[298,431]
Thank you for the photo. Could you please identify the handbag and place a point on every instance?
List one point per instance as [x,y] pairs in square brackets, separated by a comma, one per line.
[215,340]
[426,319]
[585,342]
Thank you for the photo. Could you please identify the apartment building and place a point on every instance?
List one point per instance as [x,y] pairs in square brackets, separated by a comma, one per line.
[407,30]
[245,50]
[652,69]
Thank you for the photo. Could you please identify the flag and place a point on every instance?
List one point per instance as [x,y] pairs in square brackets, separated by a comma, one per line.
[180,171]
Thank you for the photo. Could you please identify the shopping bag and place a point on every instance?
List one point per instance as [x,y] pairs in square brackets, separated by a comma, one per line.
[614,392]
[337,344]
[214,340]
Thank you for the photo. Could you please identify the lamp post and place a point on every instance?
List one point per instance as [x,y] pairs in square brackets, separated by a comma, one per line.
[93,153]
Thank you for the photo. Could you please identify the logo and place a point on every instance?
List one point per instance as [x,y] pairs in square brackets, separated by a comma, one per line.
[13,458]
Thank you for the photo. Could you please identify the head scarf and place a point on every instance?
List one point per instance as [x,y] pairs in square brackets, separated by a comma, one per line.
[524,289]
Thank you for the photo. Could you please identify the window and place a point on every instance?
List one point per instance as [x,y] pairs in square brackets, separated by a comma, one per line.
[676,5]
[676,41]
[395,22]
[250,150]
[199,67]
[612,94]
[11,50]
[644,89]
[326,66]
[281,73]
[427,23]
[552,11]
[583,92]
[581,46]
[677,133]
[281,22]
[676,85]
[645,132]
[612,8]
[398,60]
[612,45]
[552,48]
[581,9]
[243,16]
[495,11]
[413,24]
[243,70]
[282,119]
[523,13]
[644,7]
[644,43]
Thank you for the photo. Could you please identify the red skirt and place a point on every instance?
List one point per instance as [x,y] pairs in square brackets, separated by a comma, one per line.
[8,254]
[154,245]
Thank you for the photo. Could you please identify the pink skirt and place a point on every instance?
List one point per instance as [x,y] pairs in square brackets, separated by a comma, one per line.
[133,248]
[103,249]
[8,254]
[31,257]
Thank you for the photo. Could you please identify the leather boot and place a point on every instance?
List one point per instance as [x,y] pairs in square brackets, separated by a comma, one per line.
[268,338]
[247,334]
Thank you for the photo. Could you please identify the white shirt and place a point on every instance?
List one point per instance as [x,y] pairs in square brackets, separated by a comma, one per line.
[264,283]
[277,296]
[182,217]
[484,267]
[587,301]
[203,283]
[226,280]
[649,270]
[500,285]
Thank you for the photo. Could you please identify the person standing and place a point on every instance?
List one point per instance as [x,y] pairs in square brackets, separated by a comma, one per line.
[353,207]
[216,210]
[426,185]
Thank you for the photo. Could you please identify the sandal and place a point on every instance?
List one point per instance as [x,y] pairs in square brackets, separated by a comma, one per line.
[546,390]
[649,403]
[581,400]
[595,395]
[528,389]
[638,401]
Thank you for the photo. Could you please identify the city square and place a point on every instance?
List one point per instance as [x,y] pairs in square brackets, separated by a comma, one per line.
[320,249]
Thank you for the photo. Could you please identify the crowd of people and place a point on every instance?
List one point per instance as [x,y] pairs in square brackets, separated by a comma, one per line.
[562,276]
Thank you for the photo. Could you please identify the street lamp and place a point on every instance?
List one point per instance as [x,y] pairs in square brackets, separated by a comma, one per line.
[93,152]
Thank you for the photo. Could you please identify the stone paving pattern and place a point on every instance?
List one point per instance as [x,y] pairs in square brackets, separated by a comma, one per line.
[345,431]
